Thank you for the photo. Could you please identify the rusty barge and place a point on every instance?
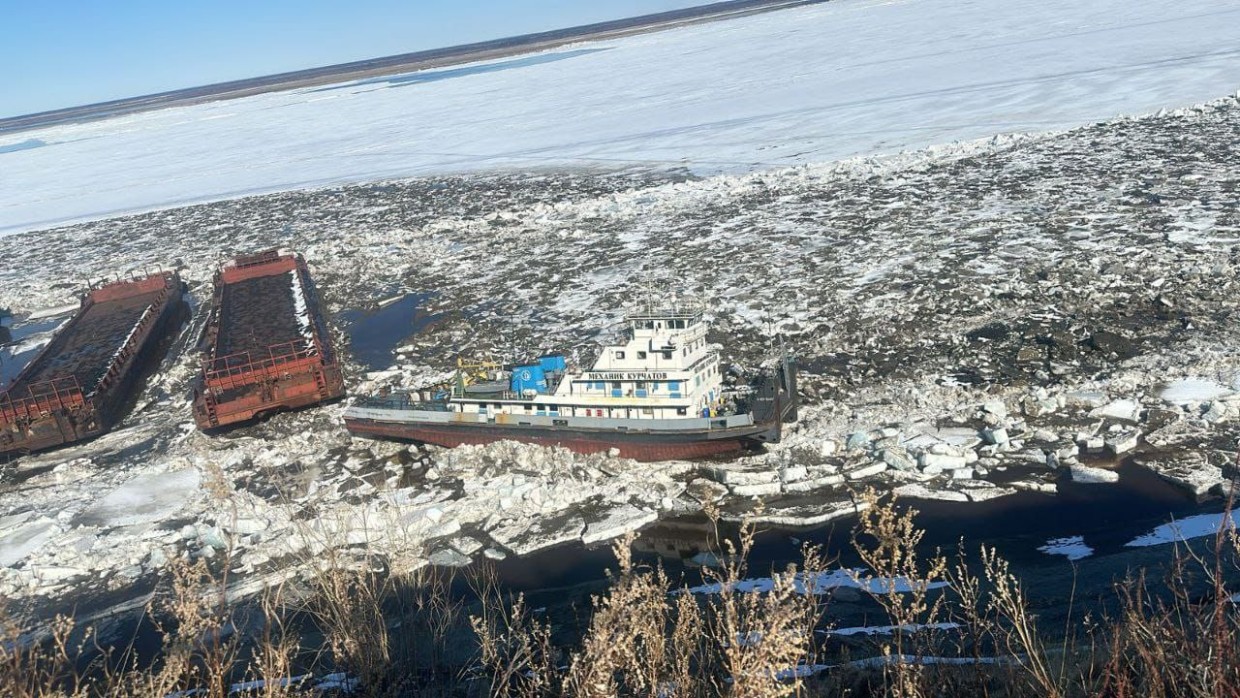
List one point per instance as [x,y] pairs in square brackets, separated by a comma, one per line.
[80,385]
[266,346]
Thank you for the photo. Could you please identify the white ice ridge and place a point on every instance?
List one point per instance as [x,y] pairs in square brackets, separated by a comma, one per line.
[812,84]
[1072,547]
[1187,528]
[302,309]
[822,583]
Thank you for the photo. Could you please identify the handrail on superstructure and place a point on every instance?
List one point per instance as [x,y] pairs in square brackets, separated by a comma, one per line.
[679,310]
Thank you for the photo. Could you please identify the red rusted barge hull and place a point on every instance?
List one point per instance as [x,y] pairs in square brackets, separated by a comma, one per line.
[80,384]
[267,347]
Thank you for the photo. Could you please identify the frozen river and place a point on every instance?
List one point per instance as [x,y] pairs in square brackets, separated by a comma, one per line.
[812,84]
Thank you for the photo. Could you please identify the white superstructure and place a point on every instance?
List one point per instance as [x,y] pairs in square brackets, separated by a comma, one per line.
[664,370]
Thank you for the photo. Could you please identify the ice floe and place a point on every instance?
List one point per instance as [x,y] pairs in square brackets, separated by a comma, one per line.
[889,629]
[143,499]
[822,583]
[18,542]
[1189,390]
[1089,475]
[1187,528]
[1071,547]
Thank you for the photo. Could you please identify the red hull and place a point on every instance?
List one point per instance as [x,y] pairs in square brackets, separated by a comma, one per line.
[635,449]
[258,360]
[82,381]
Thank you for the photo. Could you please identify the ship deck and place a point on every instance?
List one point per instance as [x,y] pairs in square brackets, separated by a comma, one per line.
[84,349]
[267,346]
[255,314]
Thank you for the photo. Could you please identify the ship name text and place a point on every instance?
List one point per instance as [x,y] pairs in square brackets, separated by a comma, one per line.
[625,376]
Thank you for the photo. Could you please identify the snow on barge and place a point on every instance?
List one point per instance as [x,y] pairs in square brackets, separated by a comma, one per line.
[661,395]
[267,347]
[79,386]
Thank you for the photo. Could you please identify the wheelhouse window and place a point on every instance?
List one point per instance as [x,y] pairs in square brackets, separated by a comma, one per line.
[619,355]
[667,354]
[641,355]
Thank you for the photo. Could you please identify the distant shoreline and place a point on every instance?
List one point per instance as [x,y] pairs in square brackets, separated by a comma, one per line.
[402,63]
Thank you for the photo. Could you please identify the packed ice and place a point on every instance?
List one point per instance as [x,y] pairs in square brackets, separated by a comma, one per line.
[889,629]
[811,84]
[931,379]
[972,320]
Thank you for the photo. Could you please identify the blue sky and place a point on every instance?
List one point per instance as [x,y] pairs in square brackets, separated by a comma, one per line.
[61,53]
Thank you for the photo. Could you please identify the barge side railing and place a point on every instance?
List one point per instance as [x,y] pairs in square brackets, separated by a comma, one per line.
[45,398]
[240,370]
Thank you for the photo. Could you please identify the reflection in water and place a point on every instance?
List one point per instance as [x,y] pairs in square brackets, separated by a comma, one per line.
[688,542]
[1106,517]
[374,335]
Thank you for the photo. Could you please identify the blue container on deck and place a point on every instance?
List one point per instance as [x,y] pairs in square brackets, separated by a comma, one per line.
[529,378]
[552,363]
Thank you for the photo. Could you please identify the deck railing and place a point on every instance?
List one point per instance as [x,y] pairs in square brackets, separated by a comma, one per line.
[238,370]
[136,336]
[42,399]
[268,263]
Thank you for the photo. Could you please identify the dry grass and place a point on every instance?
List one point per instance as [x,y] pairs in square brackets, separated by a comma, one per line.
[407,633]
[643,639]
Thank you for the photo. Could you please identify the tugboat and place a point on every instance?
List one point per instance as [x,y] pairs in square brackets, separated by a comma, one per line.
[661,395]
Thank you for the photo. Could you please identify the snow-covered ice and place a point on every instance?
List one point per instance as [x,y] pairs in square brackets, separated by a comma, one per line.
[1187,528]
[822,583]
[301,309]
[884,276]
[1086,474]
[1071,547]
[810,84]
[617,522]
[18,542]
[1189,390]
[143,499]
[889,629]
